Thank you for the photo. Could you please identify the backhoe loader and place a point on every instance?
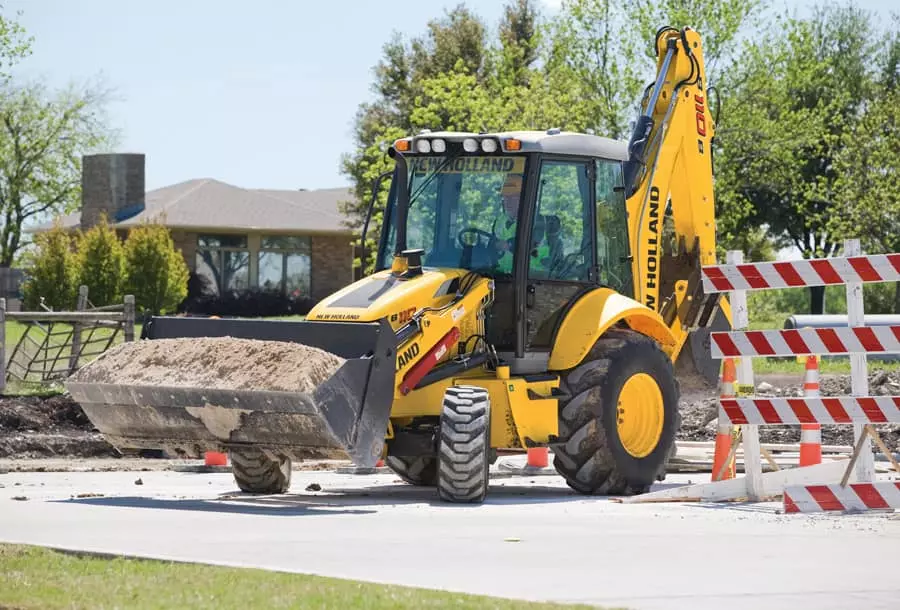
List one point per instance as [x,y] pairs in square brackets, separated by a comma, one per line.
[530,289]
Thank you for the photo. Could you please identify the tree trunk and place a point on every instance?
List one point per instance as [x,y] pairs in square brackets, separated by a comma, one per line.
[817,300]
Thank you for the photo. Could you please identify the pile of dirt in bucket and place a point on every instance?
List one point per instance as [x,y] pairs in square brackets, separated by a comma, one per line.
[226,363]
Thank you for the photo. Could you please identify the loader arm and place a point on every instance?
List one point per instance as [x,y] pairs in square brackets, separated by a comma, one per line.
[669,177]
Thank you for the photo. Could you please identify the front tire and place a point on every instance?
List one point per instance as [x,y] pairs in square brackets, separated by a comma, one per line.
[464,448]
[617,428]
[256,473]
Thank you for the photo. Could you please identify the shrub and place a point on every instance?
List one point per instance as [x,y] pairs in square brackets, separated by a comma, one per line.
[52,271]
[156,273]
[101,264]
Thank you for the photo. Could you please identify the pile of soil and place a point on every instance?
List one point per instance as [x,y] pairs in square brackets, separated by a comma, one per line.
[216,362]
[36,427]
[699,414]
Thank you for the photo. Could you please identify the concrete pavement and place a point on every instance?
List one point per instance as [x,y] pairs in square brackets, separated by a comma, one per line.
[533,539]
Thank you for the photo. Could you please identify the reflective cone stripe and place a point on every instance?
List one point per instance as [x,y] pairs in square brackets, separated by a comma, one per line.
[811,434]
[724,428]
[856,496]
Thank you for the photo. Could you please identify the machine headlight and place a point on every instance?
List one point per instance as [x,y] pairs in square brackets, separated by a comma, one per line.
[423,146]
[489,146]
[470,145]
[439,146]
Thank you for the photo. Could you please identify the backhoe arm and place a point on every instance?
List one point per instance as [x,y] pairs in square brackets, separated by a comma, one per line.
[670,168]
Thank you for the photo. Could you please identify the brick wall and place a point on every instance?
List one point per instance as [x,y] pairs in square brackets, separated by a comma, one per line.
[332,264]
[187,243]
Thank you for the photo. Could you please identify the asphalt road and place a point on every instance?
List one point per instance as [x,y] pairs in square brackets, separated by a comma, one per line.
[533,539]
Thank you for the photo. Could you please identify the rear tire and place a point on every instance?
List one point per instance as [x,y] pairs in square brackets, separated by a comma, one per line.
[464,449]
[418,470]
[256,473]
[592,454]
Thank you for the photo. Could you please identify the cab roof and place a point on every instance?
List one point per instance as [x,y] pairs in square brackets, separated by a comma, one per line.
[549,141]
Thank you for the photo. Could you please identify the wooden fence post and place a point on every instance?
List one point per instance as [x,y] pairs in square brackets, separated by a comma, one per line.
[129,317]
[80,305]
[2,345]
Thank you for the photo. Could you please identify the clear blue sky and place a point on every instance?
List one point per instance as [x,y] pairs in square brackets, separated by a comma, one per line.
[258,94]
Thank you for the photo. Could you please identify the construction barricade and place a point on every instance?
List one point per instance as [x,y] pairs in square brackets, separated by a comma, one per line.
[814,486]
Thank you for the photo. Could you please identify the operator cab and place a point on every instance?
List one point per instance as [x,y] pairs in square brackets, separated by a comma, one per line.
[542,213]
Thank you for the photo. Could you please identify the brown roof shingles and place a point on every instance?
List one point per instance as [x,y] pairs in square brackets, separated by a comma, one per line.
[213,205]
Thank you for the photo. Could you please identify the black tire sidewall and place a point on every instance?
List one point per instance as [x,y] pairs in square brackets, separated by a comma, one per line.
[639,357]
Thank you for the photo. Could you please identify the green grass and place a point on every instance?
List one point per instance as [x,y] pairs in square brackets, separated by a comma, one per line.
[827,366]
[33,577]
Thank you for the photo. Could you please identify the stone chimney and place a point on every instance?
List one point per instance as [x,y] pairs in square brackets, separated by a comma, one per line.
[111,183]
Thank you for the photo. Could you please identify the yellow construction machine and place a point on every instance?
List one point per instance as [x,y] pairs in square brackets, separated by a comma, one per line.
[531,289]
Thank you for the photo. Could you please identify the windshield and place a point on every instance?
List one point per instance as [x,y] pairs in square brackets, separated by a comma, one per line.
[462,211]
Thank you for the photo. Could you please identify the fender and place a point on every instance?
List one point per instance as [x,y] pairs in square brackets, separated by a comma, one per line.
[592,315]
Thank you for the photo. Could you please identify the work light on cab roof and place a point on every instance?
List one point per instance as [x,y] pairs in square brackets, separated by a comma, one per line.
[427,143]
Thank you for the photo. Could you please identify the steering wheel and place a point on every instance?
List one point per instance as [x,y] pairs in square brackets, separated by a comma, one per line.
[480,232]
[492,253]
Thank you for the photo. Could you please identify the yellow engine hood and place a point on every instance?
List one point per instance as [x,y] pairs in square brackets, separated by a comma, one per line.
[383,296]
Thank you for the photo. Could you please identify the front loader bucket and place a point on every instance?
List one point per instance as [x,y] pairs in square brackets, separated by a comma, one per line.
[345,416]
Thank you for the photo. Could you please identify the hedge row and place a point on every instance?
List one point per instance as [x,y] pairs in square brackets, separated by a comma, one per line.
[146,264]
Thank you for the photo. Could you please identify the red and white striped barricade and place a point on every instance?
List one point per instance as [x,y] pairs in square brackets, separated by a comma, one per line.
[806,488]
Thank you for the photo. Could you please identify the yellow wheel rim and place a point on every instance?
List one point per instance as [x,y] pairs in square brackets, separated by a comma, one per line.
[640,415]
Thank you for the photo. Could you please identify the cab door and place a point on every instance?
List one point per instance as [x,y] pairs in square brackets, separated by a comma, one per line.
[562,261]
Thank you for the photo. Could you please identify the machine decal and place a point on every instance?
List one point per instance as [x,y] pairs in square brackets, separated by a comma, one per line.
[457,313]
[701,114]
[408,354]
[404,316]
[515,165]
[652,242]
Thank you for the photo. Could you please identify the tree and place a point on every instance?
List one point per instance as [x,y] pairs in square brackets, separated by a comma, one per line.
[607,46]
[52,271]
[868,167]
[458,35]
[792,100]
[43,135]
[15,45]
[156,273]
[101,264]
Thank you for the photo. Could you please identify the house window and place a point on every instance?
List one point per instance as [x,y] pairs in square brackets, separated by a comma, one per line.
[284,264]
[224,262]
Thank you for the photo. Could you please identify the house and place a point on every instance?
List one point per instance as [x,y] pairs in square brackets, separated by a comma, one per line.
[236,238]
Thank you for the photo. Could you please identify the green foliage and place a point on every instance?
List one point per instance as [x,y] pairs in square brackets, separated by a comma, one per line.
[43,135]
[14,46]
[101,264]
[582,70]
[156,272]
[52,271]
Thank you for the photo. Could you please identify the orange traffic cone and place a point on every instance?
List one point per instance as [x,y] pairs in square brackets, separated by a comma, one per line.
[538,457]
[214,458]
[723,431]
[811,434]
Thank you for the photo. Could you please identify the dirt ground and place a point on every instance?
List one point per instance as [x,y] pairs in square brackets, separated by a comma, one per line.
[54,431]
[699,411]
